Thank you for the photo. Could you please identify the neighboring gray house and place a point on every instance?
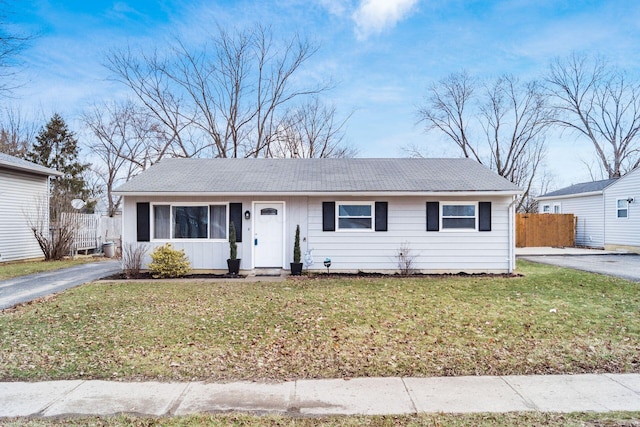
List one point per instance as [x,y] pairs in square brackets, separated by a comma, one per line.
[24,189]
[607,211]
[454,215]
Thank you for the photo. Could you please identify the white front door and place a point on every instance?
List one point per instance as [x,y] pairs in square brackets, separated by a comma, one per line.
[268,239]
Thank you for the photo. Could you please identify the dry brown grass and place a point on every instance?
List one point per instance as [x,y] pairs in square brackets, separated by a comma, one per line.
[550,321]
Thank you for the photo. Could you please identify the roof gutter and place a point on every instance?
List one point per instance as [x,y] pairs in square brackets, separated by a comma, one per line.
[319,193]
[566,196]
[28,169]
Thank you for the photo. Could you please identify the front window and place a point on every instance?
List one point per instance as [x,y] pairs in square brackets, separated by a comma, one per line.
[459,216]
[623,208]
[355,216]
[189,222]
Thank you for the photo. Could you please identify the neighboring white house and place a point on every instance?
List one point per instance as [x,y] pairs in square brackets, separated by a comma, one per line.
[607,212]
[454,215]
[24,189]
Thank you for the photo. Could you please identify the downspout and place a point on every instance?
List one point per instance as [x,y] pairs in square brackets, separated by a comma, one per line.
[512,243]
[604,220]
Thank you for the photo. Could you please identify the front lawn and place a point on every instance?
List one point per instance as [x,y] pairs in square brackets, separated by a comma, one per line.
[16,269]
[550,321]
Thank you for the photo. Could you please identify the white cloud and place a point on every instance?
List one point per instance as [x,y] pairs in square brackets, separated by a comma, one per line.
[335,7]
[374,16]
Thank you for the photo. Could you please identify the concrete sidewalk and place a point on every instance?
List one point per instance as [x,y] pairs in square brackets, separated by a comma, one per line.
[366,396]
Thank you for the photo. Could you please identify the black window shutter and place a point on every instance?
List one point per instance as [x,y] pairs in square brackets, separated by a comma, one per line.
[433,216]
[328,216]
[142,222]
[381,216]
[484,222]
[235,217]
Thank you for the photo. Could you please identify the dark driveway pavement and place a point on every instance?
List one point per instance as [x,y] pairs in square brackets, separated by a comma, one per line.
[27,288]
[626,266]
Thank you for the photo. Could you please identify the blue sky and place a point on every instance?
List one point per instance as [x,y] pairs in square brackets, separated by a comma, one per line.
[382,54]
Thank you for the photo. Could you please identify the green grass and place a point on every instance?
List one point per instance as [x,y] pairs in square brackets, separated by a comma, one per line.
[11,270]
[523,419]
[551,321]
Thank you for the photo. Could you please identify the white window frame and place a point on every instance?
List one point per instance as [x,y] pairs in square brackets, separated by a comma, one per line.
[546,208]
[557,208]
[356,230]
[618,209]
[459,230]
[189,204]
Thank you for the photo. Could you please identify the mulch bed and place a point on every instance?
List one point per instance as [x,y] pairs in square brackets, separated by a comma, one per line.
[315,275]
[147,276]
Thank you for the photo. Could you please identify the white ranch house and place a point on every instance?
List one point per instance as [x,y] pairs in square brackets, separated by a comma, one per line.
[24,195]
[607,212]
[454,215]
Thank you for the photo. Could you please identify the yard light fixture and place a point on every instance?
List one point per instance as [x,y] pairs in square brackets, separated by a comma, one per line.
[327,263]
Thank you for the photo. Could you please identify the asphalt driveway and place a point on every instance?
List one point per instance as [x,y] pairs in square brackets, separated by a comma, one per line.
[626,266]
[27,288]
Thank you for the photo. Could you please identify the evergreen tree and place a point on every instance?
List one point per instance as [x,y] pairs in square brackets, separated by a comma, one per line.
[56,147]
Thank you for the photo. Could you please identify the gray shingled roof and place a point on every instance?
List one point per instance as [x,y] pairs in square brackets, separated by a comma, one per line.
[300,176]
[16,163]
[583,187]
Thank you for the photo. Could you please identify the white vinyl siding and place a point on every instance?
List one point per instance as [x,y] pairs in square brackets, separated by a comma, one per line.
[21,194]
[352,251]
[212,254]
[464,250]
[589,215]
[623,231]
[607,219]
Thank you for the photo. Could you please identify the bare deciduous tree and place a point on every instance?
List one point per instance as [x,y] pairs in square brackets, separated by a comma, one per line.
[126,142]
[502,125]
[311,131]
[11,44]
[599,103]
[227,99]
[16,133]
[515,117]
[447,110]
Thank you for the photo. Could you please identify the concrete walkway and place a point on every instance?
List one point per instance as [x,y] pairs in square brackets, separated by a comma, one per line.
[27,288]
[366,396]
[547,250]
[612,263]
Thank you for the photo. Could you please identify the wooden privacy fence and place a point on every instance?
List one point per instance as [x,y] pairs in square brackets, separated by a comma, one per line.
[557,230]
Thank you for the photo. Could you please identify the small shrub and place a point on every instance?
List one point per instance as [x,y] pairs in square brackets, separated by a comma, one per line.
[168,262]
[233,247]
[296,246]
[132,256]
[405,259]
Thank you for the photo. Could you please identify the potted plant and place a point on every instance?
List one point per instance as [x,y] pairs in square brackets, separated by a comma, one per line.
[233,262]
[296,265]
